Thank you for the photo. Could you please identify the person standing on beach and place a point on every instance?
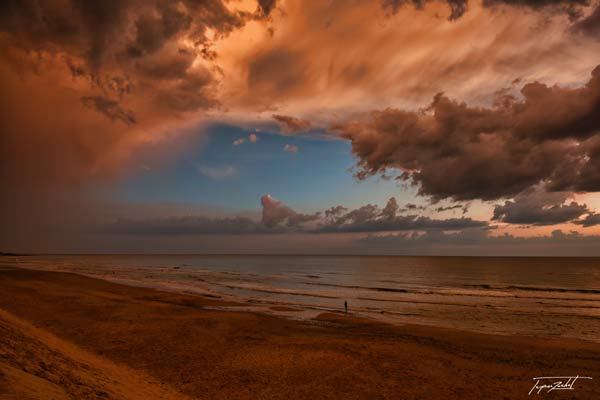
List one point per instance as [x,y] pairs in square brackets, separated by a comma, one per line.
[345,306]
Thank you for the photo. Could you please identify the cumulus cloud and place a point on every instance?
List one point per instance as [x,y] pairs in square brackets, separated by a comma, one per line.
[275,213]
[279,218]
[537,207]
[335,211]
[452,150]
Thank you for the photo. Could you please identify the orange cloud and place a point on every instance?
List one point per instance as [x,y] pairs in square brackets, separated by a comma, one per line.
[317,59]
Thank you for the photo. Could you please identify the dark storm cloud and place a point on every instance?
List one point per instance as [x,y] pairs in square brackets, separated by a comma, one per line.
[537,207]
[573,8]
[450,208]
[534,3]
[130,28]
[370,218]
[141,64]
[85,27]
[109,108]
[154,29]
[196,91]
[399,223]
[452,150]
[591,219]
[291,124]
[459,7]
[117,36]
[590,25]
[173,65]
[266,6]
[411,206]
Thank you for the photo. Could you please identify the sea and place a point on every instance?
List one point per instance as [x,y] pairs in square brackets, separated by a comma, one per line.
[542,297]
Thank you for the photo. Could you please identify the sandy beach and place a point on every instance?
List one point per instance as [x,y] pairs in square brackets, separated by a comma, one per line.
[69,336]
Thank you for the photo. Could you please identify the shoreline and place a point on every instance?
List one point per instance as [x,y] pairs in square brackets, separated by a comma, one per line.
[12,254]
[182,342]
[323,314]
[480,308]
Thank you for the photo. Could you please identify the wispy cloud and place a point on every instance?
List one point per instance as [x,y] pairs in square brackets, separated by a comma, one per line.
[291,124]
[217,173]
[290,148]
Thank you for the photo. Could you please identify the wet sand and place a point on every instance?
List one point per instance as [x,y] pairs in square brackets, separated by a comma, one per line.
[68,336]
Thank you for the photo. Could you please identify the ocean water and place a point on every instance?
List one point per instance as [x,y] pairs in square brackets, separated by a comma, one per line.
[546,297]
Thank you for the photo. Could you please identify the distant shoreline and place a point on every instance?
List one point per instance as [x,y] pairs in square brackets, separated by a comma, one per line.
[298,255]
[12,254]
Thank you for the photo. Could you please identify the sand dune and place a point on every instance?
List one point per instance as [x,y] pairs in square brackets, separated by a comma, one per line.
[37,365]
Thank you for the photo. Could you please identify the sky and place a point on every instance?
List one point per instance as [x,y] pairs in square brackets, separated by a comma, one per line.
[402,127]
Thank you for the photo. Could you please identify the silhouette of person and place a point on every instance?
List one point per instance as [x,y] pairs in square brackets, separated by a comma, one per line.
[346,306]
